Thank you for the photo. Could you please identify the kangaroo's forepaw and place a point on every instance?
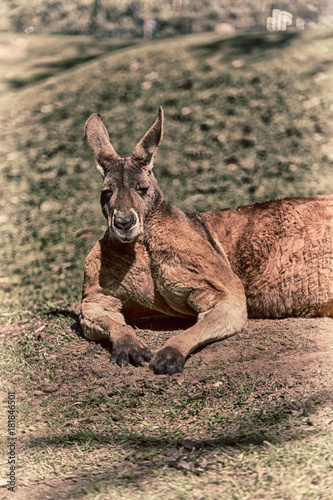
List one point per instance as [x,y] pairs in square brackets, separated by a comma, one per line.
[128,350]
[168,361]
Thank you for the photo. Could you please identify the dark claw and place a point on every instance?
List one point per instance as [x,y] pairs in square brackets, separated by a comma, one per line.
[139,357]
[135,355]
[168,361]
[114,356]
[146,353]
[120,358]
[168,367]
[136,358]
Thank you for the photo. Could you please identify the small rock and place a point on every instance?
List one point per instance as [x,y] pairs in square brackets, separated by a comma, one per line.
[135,65]
[170,452]
[98,348]
[319,77]
[185,465]
[50,206]
[201,463]
[152,76]
[186,111]
[3,483]
[171,459]
[238,63]
[146,85]
[221,138]
[38,393]
[47,108]
[188,444]
[313,420]
[290,382]
[49,388]
[312,103]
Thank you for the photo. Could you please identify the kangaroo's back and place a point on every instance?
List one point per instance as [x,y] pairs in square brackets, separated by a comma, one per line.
[282,251]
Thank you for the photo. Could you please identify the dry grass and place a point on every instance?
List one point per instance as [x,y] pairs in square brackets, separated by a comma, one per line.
[247,118]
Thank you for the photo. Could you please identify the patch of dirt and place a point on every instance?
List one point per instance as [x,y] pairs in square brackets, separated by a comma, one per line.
[290,350]
[293,357]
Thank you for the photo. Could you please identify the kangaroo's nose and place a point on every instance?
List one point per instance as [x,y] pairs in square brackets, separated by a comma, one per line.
[124,220]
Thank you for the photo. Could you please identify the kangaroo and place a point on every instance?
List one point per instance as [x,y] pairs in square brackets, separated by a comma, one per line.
[271,259]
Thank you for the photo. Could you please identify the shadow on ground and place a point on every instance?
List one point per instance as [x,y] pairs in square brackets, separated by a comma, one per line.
[247,44]
[257,387]
[160,452]
[47,69]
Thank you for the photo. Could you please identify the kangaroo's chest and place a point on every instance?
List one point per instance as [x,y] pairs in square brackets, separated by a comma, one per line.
[128,275]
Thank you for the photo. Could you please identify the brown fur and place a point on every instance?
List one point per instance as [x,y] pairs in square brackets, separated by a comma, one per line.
[272,259]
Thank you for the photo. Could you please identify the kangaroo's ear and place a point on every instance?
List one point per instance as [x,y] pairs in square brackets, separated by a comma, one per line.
[145,151]
[97,138]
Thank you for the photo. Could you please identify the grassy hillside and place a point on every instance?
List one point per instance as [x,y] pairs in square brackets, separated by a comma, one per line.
[32,59]
[248,118]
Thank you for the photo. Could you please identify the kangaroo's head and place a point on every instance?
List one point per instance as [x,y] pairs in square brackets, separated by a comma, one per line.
[129,191]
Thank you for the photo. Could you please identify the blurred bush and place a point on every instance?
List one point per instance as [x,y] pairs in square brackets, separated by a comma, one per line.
[136,18]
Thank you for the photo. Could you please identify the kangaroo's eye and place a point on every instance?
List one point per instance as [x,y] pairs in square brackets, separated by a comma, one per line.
[106,196]
[142,191]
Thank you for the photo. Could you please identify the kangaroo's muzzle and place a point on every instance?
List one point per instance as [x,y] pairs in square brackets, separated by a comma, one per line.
[126,225]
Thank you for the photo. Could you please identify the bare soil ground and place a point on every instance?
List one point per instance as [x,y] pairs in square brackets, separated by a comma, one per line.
[287,364]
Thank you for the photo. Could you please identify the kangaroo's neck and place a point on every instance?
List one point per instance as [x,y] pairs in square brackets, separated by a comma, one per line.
[168,224]
[162,215]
